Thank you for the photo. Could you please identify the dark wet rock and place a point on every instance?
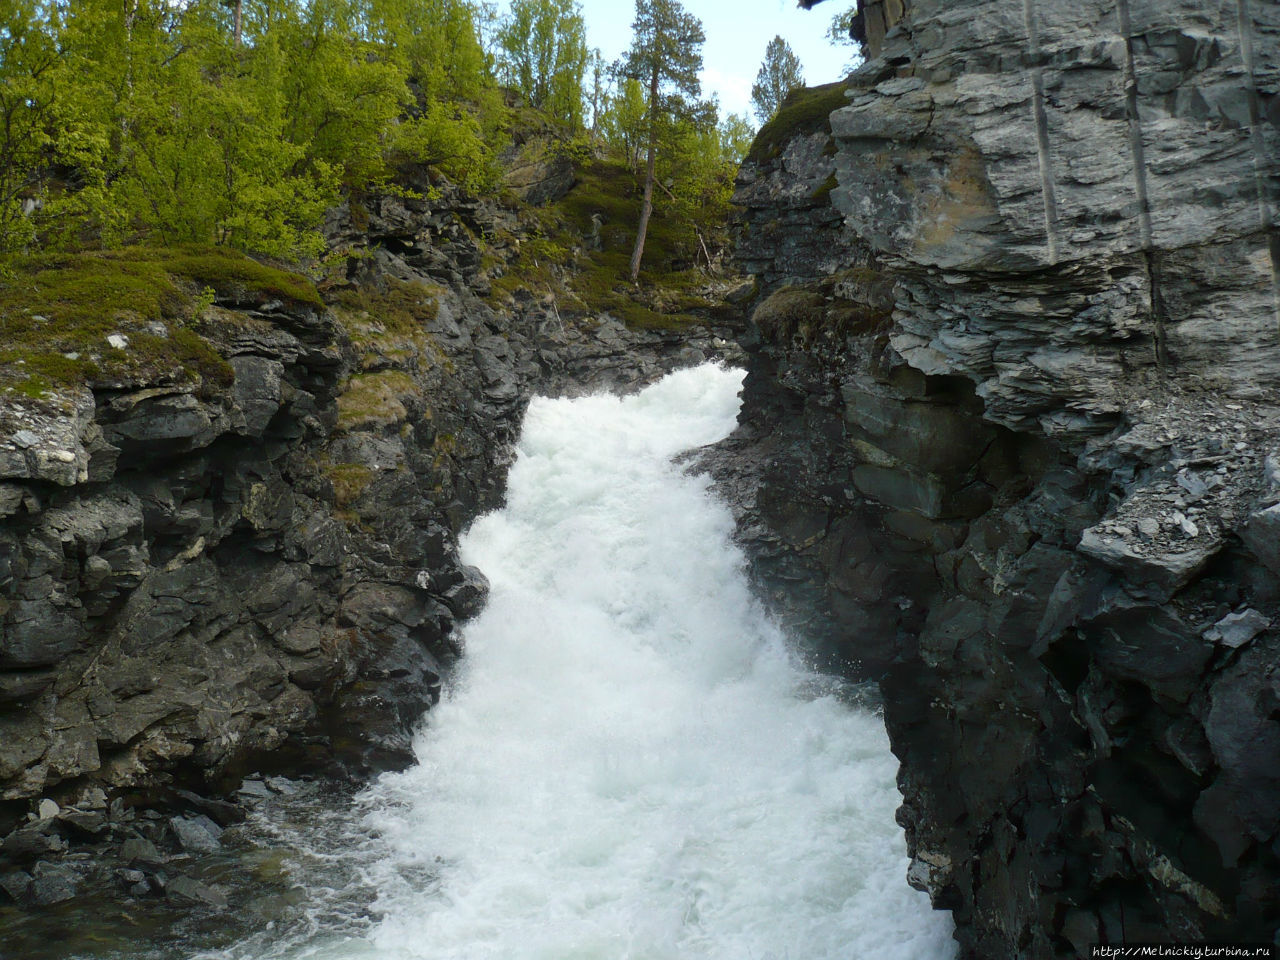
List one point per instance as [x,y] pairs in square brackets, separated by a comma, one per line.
[466,597]
[139,850]
[32,841]
[52,883]
[187,890]
[15,884]
[85,823]
[253,789]
[222,812]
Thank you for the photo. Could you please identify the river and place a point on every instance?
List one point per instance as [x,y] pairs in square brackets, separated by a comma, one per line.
[630,763]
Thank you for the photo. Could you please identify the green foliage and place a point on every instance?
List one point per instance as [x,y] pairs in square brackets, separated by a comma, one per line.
[623,121]
[736,134]
[840,31]
[594,281]
[29,56]
[665,56]
[142,120]
[544,56]
[779,74]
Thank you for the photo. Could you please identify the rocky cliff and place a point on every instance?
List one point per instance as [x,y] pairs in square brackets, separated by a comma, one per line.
[1011,445]
[254,564]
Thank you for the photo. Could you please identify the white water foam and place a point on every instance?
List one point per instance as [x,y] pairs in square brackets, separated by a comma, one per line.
[629,765]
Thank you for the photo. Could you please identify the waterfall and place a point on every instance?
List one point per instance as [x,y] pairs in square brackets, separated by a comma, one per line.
[630,764]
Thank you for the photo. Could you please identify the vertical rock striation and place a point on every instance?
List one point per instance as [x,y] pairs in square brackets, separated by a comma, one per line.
[1011,445]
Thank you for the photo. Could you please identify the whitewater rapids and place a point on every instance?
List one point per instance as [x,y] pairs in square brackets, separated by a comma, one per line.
[629,764]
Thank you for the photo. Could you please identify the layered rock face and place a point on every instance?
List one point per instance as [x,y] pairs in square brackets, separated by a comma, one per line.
[196,581]
[1011,445]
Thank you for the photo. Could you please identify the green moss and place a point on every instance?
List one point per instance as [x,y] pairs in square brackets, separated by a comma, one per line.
[349,481]
[57,310]
[824,190]
[375,399]
[398,308]
[806,110]
[786,311]
[807,313]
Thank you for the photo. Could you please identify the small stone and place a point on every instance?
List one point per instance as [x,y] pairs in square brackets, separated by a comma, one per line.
[196,834]
[1122,531]
[63,456]
[47,810]
[138,850]
[254,790]
[15,884]
[1189,528]
[24,439]
[282,785]
[118,340]
[95,798]
[96,572]
[1236,629]
[1149,527]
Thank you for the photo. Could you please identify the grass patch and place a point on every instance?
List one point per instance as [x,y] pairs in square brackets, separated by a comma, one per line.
[375,399]
[57,311]
[349,481]
[399,308]
[806,110]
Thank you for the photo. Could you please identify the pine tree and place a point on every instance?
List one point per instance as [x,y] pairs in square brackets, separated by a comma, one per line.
[665,56]
[778,76]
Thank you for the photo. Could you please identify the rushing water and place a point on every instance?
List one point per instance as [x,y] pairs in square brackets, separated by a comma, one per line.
[629,765]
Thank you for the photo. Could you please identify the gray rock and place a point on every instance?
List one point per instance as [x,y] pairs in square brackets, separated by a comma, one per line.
[15,884]
[466,598]
[1236,629]
[196,834]
[140,850]
[1262,536]
[32,841]
[253,790]
[24,439]
[257,391]
[222,812]
[53,883]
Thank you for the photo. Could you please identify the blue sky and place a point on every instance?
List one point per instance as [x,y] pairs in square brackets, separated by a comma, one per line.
[737,32]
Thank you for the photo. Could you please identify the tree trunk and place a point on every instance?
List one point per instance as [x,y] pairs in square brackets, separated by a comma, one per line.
[238,20]
[646,208]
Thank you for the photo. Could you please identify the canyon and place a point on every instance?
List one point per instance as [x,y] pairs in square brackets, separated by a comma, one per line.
[1009,447]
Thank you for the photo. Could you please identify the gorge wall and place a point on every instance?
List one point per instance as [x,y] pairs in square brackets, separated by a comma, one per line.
[1011,445]
[202,578]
